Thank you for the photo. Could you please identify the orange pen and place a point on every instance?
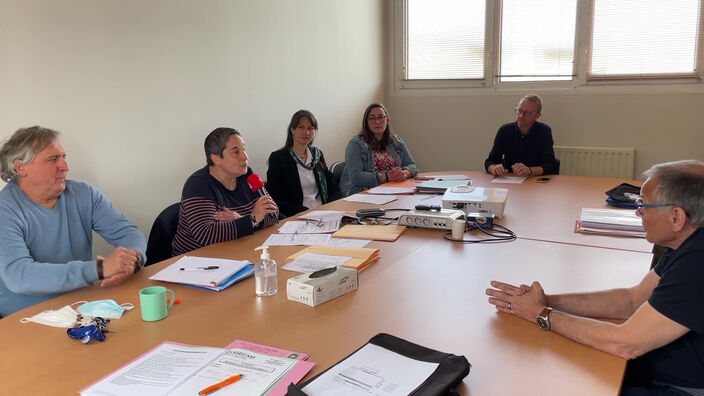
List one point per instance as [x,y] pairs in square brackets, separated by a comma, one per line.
[213,388]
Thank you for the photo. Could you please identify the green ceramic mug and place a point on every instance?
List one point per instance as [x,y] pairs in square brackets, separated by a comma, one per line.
[153,302]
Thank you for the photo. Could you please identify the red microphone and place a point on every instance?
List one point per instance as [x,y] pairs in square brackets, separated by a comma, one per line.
[257,185]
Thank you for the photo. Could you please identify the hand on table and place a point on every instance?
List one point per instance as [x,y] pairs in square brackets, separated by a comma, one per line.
[397,174]
[498,170]
[523,301]
[520,169]
[120,265]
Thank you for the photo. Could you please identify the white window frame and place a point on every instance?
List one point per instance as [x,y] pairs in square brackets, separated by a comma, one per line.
[580,82]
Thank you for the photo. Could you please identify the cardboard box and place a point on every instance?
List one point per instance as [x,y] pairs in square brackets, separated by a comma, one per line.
[315,288]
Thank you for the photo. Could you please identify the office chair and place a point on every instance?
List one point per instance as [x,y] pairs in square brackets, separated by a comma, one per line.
[162,234]
[556,166]
[336,169]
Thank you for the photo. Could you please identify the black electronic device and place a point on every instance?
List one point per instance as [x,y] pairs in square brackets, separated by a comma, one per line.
[370,212]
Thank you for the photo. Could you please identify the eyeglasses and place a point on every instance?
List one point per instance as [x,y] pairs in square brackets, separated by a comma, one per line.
[377,119]
[523,113]
[640,206]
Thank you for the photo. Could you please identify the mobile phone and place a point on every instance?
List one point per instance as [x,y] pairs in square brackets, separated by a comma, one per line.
[542,180]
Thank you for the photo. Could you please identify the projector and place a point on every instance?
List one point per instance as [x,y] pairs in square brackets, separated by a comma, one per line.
[476,199]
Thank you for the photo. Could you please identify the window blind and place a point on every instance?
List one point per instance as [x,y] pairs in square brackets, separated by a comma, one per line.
[443,39]
[644,38]
[537,40]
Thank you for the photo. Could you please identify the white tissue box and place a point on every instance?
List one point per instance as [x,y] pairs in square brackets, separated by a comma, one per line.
[315,288]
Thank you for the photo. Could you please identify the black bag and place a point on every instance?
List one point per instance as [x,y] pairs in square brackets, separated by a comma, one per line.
[617,196]
[450,372]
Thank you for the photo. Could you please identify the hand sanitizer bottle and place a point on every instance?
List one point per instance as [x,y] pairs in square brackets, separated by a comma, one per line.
[265,276]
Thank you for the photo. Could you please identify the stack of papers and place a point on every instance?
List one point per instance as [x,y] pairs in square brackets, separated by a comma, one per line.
[391,190]
[178,369]
[442,177]
[610,222]
[313,239]
[207,273]
[371,198]
[357,258]
[387,233]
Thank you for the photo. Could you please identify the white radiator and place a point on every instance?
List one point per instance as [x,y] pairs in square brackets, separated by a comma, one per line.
[596,161]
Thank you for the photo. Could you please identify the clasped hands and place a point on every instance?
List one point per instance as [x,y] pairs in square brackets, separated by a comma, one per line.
[518,169]
[523,301]
[397,174]
[120,265]
[263,206]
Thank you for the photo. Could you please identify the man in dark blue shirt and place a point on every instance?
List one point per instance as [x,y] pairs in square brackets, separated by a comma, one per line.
[663,332]
[523,147]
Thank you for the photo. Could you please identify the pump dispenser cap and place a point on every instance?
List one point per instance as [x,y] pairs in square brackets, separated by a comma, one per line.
[265,252]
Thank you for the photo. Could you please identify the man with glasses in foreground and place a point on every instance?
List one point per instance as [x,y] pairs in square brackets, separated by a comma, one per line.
[523,147]
[663,332]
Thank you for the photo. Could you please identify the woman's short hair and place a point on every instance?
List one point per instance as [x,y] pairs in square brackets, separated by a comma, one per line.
[368,136]
[295,120]
[24,145]
[216,141]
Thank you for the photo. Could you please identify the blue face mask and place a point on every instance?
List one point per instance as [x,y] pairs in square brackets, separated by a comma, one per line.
[107,309]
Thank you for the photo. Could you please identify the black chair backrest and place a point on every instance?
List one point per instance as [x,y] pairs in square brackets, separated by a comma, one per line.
[336,169]
[556,165]
[162,234]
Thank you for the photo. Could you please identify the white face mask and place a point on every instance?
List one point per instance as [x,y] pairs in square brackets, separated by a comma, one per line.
[63,317]
[107,309]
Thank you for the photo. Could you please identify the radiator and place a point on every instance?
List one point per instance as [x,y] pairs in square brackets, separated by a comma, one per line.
[596,161]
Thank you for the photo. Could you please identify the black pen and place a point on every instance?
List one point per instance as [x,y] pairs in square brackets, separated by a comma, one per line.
[208,268]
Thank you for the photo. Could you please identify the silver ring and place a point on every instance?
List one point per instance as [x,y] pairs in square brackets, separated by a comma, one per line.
[509,306]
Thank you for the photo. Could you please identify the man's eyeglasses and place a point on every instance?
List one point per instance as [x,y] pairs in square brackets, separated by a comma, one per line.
[523,113]
[376,119]
[640,206]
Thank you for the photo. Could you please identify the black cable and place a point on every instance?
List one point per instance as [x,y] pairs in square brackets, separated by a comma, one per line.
[507,236]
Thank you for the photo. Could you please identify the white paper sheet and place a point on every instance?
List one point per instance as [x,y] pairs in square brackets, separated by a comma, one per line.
[259,373]
[309,262]
[325,215]
[309,226]
[372,370]
[370,198]
[313,239]
[445,177]
[508,179]
[173,272]
[391,190]
[155,373]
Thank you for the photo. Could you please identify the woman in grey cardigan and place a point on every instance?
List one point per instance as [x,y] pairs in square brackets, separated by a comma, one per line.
[375,155]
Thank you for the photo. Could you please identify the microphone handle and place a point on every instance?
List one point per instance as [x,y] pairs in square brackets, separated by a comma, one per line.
[262,192]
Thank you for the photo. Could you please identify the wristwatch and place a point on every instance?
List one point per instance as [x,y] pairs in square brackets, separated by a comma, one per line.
[543,319]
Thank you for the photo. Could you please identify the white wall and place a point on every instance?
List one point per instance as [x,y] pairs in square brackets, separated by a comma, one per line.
[136,85]
[456,132]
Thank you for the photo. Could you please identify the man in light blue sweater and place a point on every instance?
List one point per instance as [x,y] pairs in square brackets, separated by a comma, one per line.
[46,225]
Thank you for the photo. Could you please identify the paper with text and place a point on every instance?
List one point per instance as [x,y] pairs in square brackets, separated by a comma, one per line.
[309,262]
[370,198]
[372,370]
[313,239]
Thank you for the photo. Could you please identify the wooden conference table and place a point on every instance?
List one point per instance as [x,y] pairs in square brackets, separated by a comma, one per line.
[424,289]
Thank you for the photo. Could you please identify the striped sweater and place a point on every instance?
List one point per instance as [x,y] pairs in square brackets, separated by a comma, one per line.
[202,196]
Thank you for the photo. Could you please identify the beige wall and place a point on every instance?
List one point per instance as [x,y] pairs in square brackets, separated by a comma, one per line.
[136,85]
[456,132]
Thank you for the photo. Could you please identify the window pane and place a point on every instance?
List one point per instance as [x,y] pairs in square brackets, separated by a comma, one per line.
[537,40]
[644,37]
[445,39]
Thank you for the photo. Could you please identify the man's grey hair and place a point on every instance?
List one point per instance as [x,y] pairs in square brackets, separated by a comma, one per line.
[681,183]
[533,98]
[24,145]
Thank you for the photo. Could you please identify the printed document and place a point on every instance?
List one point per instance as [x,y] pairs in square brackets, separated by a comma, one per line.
[309,262]
[370,198]
[309,227]
[313,239]
[372,370]
[391,190]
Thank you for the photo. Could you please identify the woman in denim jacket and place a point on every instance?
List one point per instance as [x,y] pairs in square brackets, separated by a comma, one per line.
[375,155]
